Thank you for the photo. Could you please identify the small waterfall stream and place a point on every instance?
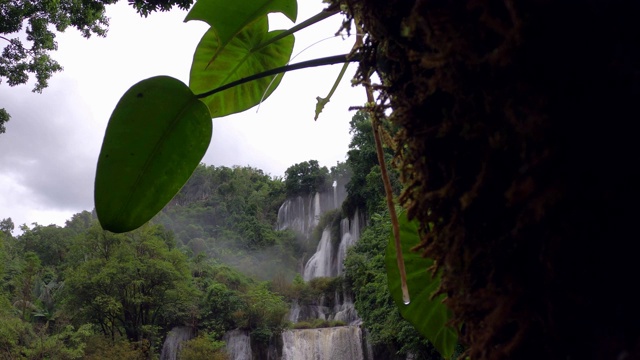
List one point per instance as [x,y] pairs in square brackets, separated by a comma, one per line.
[321,263]
[327,262]
[174,340]
[238,345]
[350,233]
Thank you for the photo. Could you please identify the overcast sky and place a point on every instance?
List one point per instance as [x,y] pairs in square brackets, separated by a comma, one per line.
[49,152]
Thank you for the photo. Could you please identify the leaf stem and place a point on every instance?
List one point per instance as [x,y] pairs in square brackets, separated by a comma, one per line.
[310,21]
[323,101]
[337,59]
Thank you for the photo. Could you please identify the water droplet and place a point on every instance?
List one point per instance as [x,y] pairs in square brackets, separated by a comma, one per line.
[405,298]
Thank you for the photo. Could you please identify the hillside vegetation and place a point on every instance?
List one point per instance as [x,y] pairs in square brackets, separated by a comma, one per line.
[211,260]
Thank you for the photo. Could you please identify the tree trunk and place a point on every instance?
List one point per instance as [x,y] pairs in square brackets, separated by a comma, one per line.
[517,122]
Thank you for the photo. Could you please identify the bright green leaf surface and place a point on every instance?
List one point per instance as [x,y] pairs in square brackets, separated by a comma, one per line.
[428,316]
[235,62]
[229,18]
[156,136]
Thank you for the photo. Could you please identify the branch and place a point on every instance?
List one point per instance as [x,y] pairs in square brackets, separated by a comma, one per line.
[331,60]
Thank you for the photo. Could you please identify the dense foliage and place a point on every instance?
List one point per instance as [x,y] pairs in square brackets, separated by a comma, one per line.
[365,188]
[365,272]
[306,178]
[81,292]
[230,214]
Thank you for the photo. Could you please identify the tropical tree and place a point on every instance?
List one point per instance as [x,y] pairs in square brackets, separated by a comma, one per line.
[133,288]
[4,118]
[7,226]
[365,188]
[23,284]
[51,243]
[306,178]
[264,313]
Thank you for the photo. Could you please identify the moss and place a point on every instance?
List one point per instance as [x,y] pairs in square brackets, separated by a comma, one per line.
[317,324]
[516,125]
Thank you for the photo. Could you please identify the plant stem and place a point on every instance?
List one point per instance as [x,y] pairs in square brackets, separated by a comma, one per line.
[392,209]
[375,123]
[323,101]
[310,21]
[337,59]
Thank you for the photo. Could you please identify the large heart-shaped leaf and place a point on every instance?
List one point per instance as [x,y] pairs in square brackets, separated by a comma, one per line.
[228,18]
[156,136]
[428,316]
[236,61]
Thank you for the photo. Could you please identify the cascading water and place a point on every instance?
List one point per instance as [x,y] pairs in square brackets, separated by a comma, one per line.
[343,342]
[302,213]
[326,262]
[174,340]
[238,345]
[321,263]
[345,310]
[350,233]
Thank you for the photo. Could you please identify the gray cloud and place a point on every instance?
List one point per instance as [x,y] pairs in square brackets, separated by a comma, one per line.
[44,149]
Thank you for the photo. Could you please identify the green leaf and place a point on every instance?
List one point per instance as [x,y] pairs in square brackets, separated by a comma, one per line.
[229,18]
[236,61]
[428,316]
[156,136]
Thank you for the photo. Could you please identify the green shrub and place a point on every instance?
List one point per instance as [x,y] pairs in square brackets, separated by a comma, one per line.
[317,324]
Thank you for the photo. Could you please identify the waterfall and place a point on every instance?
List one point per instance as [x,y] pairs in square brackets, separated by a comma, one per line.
[296,214]
[343,342]
[294,312]
[350,230]
[238,345]
[173,342]
[345,310]
[321,264]
[326,263]
[302,213]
